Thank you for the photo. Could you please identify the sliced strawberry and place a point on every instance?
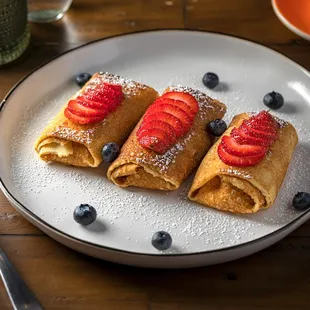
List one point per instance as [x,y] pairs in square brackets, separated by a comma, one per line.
[109,86]
[154,144]
[237,161]
[111,91]
[92,104]
[168,118]
[261,124]
[154,139]
[109,94]
[248,144]
[77,108]
[264,116]
[232,147]
[174,110]
[242,138]
[180,104]
[187,98]
[270,130]
[246,127]
[94,95]
[165,127]
[81,119]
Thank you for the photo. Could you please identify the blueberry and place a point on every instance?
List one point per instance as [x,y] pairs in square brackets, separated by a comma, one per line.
[161,240]
[217,127]
[109,152]
[82,78]
[84,214]
[301,201]
[273,100]
[210,80]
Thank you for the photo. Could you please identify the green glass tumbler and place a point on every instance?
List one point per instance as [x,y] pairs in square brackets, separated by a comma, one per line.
[14,30]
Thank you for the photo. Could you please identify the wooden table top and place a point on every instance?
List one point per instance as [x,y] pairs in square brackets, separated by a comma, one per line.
[277,278]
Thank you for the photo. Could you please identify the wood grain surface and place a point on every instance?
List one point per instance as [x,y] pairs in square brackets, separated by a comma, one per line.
[277,278]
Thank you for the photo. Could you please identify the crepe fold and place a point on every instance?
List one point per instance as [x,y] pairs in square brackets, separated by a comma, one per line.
[246,189]
[141,167]
[80,145]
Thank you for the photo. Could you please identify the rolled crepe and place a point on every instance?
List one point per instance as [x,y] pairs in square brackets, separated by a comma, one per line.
[141,167]
[80,145]
[246,189]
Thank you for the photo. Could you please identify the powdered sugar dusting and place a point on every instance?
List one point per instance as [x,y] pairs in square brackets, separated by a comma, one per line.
[237,173]
[281,122]
[163,161]
[202,99]
[82,136]
[129,86]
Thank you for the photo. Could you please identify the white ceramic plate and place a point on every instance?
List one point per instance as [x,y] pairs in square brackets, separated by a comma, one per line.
[47,194]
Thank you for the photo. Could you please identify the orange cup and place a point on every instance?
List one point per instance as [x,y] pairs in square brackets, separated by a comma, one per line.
[295,15]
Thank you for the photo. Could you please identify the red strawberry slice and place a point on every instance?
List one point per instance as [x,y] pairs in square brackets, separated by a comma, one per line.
[243,138]
[154,139]
[109,86]
[187,98]
[263,126]
[168,118]
[232,147]
[246,127]
[77,108]
[94,95]
[110,90]
[109,94]
[236,161]
[165,127]
[181,104]
[248,144]
[154,144]
[92,104]
[257,122]
[114,97]
[264,116]
[81,119]
[173,110]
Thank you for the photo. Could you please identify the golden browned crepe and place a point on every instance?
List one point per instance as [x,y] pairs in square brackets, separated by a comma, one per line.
[80,145]
[141,167]
[246,189]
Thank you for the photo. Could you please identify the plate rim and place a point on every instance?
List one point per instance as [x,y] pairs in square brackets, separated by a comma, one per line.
[36,219]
